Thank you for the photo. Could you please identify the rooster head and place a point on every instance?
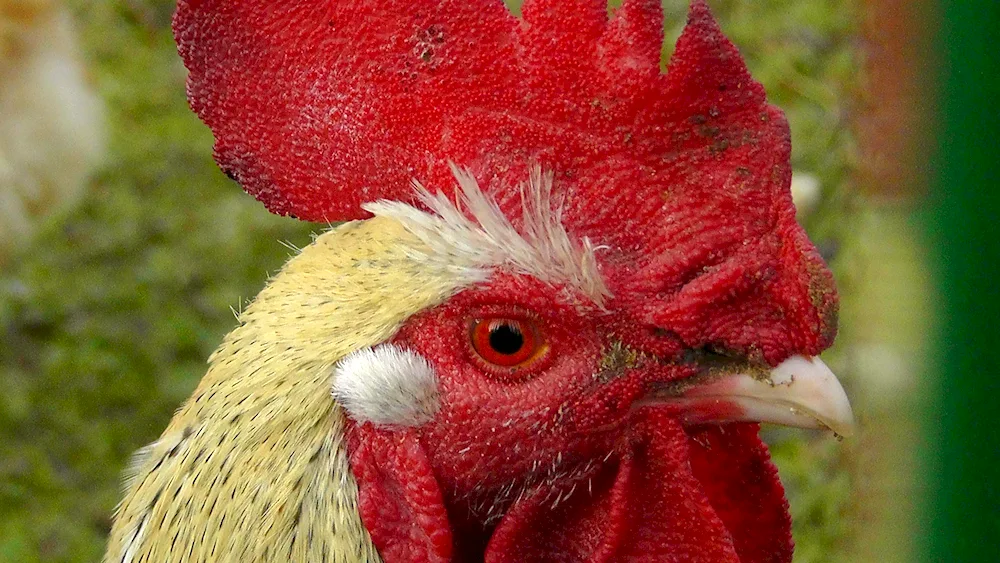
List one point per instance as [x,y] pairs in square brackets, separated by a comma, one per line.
[629,291]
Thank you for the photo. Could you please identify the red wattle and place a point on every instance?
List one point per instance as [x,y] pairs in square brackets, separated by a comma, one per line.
[736,472]
[398,497]
[712,497]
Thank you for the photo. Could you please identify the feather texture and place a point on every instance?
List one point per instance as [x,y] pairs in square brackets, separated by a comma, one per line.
[473,234]
[253,466]
[386,385]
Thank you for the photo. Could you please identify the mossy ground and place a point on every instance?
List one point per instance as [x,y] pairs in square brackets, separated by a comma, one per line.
[106,319]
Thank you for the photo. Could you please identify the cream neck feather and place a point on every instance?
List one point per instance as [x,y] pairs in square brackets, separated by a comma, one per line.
[252,467]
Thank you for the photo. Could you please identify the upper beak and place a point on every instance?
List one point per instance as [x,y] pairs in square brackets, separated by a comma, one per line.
[801,392]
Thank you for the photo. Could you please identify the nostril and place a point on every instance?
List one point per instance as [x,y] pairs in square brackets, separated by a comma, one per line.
[660,332]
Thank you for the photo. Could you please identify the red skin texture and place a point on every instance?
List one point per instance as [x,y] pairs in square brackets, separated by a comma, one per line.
[320,105]
[402,495]
[632,484]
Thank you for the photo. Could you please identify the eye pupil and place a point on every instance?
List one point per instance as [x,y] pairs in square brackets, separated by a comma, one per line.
[506,339]
[510,345]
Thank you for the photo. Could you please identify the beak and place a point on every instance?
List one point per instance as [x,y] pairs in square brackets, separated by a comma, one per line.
[801,392]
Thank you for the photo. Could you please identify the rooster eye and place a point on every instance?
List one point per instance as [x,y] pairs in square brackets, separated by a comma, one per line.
[507,343]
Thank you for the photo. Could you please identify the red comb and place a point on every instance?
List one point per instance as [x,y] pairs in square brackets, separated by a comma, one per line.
[319,106]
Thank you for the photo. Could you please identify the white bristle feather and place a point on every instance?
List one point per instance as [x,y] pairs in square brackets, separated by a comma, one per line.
[471,235]
[386,385]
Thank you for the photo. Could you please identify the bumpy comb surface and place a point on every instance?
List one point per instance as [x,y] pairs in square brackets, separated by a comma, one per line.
[319,106]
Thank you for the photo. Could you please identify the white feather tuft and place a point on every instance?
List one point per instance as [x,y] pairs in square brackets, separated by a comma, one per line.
[386,385]
[472,234]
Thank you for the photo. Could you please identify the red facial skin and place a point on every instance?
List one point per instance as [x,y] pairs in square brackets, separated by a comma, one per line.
[318,106]
[632,484]
[681,178]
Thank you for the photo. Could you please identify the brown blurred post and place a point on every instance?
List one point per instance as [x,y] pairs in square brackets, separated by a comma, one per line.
[893,132]
[896,147]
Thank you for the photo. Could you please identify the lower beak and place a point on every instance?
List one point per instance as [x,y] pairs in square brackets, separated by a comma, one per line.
[801,392]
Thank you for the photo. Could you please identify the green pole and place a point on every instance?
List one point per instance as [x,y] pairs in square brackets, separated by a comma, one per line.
[963,427]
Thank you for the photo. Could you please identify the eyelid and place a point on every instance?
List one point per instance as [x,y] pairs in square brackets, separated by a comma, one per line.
[497,323]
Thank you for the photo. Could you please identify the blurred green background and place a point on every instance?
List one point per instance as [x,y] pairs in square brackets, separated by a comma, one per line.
[108,313]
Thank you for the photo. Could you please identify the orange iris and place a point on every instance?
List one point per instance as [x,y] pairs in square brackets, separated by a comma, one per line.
[507,343]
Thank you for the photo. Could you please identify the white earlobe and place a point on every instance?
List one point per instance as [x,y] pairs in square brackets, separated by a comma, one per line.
[386,385]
